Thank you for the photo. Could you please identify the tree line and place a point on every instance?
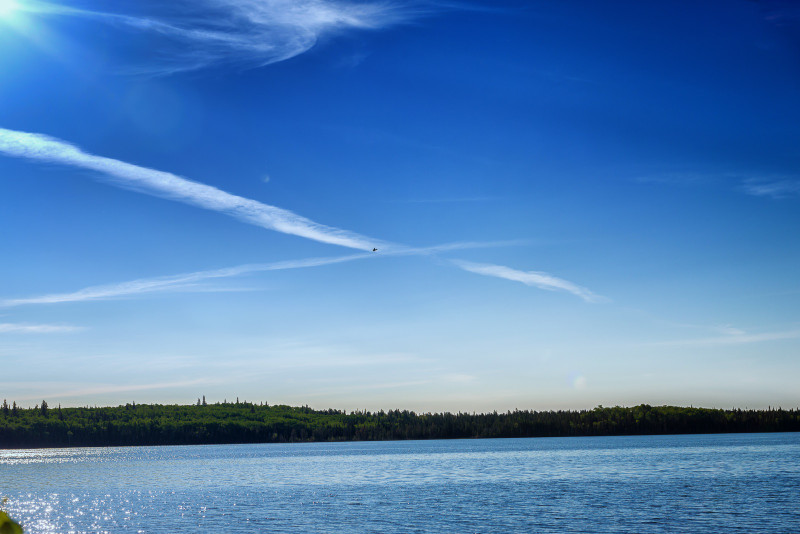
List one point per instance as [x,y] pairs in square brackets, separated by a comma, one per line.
[247,422]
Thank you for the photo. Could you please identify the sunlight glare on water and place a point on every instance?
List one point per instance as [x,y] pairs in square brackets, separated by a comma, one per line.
[723,483]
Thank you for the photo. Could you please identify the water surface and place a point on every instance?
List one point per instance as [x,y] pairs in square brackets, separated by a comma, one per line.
[638,484]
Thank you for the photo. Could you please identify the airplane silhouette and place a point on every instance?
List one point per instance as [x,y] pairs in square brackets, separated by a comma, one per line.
[374,250]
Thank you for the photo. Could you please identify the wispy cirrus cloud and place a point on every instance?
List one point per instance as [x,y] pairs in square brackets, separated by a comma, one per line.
[61,390]
[438,379]
[24,328]
[772,188]
[171,186]
[782,13]
[530,278]
[188,35]
[452,200]
[735,337]
[681,178]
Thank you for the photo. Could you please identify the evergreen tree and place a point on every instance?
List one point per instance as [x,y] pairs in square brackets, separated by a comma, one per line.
[246,422]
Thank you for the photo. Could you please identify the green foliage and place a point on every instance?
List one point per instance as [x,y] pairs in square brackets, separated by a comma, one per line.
[245,422]
[8,525]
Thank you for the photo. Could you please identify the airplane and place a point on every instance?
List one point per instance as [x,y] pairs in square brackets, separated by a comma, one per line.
[374,250]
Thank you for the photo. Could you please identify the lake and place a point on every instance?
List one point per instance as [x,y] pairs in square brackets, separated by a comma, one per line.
[633,484]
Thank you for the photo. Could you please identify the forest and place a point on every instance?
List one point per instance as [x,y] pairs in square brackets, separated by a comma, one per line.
[247,422]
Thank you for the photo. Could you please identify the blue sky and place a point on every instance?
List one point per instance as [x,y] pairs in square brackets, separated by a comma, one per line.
[574,203]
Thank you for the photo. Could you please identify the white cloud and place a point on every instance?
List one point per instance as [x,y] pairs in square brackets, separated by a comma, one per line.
[22,328]
[460,378]
[184,35]
[173,187]
[531,278]
[781,188]
[771,186]
[61,390]
[452,200]
[729,330]
[381,386]
[735,337]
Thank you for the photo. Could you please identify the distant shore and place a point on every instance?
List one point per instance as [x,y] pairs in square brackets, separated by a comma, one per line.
[246,422]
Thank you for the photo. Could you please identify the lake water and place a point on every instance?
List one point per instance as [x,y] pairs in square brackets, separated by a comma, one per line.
[639,484]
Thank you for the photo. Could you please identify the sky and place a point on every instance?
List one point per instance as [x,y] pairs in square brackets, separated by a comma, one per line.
[573,203]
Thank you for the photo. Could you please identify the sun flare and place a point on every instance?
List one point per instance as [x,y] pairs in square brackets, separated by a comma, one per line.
[7,7]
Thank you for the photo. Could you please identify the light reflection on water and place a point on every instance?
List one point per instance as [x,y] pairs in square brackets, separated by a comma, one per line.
[724,483]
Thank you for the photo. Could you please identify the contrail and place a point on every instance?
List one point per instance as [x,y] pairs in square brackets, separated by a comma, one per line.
[17,328]
[531,278]
[172,283]
[189,280]
[167,185]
